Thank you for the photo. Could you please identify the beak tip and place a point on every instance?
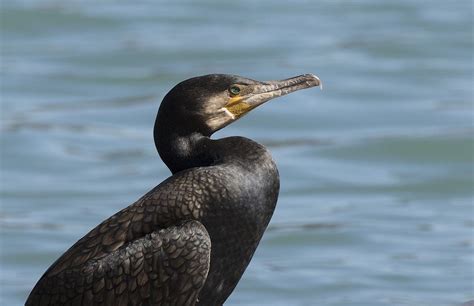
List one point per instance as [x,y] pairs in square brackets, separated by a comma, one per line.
[313,80]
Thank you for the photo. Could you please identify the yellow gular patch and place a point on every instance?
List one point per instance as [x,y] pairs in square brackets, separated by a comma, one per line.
[237,107]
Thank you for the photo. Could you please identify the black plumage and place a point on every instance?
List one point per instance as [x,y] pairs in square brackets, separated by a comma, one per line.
[188,240]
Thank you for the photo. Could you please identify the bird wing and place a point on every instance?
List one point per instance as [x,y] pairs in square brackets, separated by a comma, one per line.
[167,266]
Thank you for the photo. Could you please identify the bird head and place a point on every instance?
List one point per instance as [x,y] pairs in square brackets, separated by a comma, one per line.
[206,104]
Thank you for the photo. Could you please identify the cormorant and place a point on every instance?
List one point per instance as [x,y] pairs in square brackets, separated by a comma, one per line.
[188,240]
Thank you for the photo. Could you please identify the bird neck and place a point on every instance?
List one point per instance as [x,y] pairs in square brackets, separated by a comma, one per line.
[180,152]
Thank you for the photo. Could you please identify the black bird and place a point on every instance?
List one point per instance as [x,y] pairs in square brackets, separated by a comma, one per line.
[188,240]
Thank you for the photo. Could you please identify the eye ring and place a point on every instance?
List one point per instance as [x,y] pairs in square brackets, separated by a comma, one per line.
[234,90]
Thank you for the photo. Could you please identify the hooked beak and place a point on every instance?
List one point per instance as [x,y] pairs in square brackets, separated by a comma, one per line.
[265,91]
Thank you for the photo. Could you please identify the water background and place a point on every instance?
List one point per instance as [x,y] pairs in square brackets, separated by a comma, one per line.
[376,206]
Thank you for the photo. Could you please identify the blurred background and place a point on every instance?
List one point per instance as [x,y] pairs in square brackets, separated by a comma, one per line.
[376,204]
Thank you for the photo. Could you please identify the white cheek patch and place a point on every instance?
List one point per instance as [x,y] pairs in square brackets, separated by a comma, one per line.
[219,119]
[232,116]
[217,116]
[212,104]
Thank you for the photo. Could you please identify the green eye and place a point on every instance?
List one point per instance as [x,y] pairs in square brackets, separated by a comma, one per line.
[234,90]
